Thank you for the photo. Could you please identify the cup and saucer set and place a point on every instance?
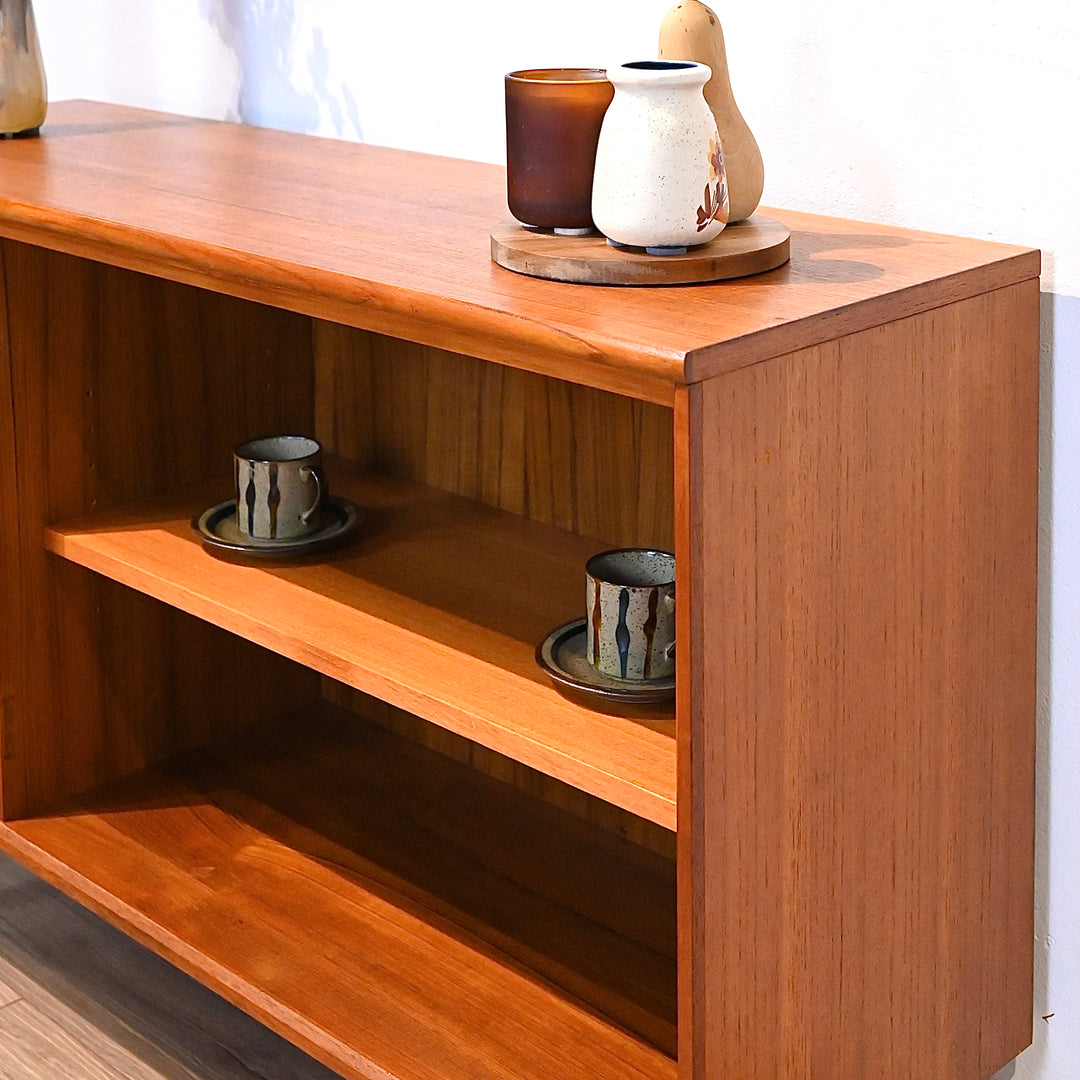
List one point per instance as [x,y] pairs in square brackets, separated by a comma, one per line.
[623,652]
[282,507]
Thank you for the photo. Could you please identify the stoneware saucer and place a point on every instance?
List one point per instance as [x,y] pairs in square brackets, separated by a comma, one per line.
[564,655]
[218,530]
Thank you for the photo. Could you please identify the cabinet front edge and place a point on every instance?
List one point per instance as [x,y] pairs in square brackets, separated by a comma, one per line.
[422,317]
[710,360]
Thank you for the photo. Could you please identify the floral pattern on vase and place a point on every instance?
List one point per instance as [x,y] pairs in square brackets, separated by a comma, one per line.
[714,203]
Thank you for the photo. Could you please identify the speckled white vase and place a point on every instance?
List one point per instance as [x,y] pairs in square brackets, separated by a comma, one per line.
[659,181]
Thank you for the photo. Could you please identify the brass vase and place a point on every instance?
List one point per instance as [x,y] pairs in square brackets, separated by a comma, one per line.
[23,96]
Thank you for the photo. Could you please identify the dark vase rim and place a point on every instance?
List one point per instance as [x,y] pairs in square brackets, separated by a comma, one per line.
[660,65]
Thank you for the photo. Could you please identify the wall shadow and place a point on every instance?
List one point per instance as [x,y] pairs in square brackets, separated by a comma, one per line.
[270,42]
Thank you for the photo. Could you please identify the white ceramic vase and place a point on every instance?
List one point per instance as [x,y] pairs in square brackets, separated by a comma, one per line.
[659,182]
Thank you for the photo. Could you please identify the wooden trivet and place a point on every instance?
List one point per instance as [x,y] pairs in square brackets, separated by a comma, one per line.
[750,247]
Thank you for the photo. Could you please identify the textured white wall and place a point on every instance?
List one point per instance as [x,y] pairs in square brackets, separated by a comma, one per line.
[936,114]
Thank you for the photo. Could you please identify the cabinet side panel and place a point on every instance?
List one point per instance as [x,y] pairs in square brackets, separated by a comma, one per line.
[585,460]
[116,387]
[10,584]
[866,600]
[689,731]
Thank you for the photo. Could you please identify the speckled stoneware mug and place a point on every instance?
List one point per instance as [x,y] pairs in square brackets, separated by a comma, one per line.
[279,487]
[630,600]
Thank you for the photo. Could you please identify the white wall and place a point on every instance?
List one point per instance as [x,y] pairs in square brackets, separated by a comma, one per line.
[934,114]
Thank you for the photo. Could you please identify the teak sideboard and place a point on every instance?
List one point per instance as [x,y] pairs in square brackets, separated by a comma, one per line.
[341,792]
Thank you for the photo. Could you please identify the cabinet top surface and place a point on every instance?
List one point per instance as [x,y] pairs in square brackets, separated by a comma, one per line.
[398,242]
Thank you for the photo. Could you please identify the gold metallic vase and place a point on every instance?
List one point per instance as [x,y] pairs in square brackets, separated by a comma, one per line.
[23,97]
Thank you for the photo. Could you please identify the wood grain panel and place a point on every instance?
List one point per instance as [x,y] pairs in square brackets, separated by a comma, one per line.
[599,812]
[12,597]
[690,524]
[865,721]
[584,460]
[118,386]
[343,232]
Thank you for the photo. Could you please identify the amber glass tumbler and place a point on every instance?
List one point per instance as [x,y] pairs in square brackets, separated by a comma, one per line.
[553,118]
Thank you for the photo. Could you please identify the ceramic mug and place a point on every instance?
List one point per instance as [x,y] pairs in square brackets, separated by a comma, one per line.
[279,487]
[631,613]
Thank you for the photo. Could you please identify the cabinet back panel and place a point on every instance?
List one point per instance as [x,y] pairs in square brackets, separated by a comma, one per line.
[130,386]
[614,819]
[581,459]
[115,386]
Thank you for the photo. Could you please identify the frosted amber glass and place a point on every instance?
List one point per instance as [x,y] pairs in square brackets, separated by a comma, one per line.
[553,118]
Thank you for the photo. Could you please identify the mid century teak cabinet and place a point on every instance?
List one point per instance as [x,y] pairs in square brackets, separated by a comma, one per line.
[341,792]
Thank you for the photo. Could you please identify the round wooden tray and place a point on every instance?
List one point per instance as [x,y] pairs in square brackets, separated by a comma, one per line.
[750,247]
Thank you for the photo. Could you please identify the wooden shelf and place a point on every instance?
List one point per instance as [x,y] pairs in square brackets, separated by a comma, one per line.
[394,912]
[436,608]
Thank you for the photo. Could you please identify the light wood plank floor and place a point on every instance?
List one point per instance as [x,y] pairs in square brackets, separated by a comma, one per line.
[81,1001]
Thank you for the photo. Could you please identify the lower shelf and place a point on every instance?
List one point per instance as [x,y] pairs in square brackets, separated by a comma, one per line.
[391,911]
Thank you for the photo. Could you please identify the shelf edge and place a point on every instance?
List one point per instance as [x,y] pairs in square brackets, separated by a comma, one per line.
[653,805]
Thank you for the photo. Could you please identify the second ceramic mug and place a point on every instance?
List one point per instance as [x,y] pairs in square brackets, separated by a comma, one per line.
[279,486]
[631,613]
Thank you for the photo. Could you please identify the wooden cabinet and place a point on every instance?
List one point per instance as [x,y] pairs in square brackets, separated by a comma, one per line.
[341,792]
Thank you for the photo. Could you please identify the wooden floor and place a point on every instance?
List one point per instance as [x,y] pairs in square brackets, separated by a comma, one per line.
[80,1001]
